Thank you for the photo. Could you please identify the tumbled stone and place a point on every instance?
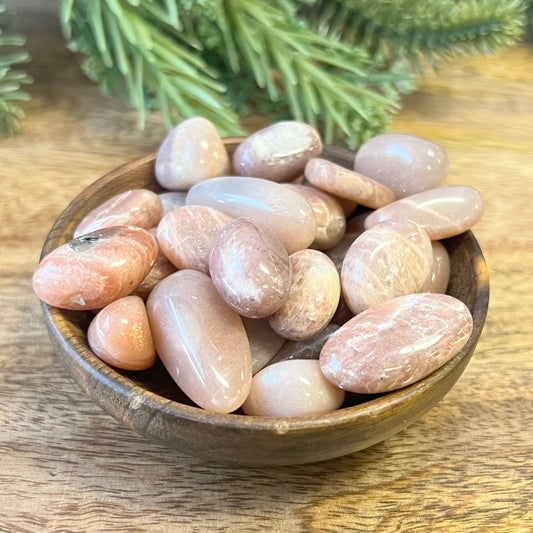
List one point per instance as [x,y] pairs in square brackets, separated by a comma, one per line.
[193,151]
[250,268]
[137,207]
[292,388]
[396,343]
[391,259]
[348,184]
[443,212]
[271,205]
[91,271]
[306,349]
[172,200]
[439,275]
[329,216]
[161,269]
[313,296]
[265,343]
[406,164]
[187,234]
[120,335]
[278,152]
[201,341]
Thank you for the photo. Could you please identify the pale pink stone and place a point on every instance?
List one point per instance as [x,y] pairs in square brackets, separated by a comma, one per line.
[201,341]
[187,234]
[329,216]
[396,343]
[345,183]
[172,200]
[404,163]
[391,259]
[278,152]
[193,151]
[250,268]
[92,271]
[269,204]
[292,388]
[443,212]
[161,269]
[439,275]
[313,296]
[137,207]
[306,349]
[265,343]
[120,335]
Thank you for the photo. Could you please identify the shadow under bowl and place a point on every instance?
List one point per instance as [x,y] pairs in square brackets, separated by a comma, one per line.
[150,403]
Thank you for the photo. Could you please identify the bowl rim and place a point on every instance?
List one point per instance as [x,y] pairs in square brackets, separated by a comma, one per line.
[128,389]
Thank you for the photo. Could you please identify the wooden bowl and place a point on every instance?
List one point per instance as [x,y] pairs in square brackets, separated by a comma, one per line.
[150,403]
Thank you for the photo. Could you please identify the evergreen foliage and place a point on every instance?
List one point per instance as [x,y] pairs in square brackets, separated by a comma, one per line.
[11,78]
[340,65]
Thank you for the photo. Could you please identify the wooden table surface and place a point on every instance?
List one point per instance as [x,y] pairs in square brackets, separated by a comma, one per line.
[67,466]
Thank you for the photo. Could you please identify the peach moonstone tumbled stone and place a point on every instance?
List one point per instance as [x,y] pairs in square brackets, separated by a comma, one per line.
[250,269]
[278,152]
[329,215]
[120,335]
[92,271]
[271,205]
[443,212]
[292,388]
[136,207]
[396,343]
[406,164]
[348,184]
[187,234]
[201,341]
[193,151]
[391,259]
[313,296]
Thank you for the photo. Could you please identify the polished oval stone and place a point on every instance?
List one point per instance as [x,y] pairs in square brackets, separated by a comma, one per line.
[120,335]
[306,349]
[313,296]
[265,343]
[406,164]
[201,341]
[269,204]
[161,269]
[278,152]
[172,200]
[91,271]
[292,388]
[348,184]
[137,207]
[187,234]
[250,268]
[396,343]
[439,275]
[193,151]
[391,259]
[329,216]
[443,212]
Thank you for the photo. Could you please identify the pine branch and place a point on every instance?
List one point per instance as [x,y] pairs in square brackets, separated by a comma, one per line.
[433,29]
[11,79]
[143,50]
[326,83]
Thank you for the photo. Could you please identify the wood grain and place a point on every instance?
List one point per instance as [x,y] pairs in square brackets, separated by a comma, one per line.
[67,466]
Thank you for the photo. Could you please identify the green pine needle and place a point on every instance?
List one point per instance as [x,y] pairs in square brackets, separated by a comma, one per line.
[11,78]
[430,29]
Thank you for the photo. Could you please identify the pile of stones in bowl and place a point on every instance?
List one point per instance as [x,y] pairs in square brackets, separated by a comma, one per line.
[273,280]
